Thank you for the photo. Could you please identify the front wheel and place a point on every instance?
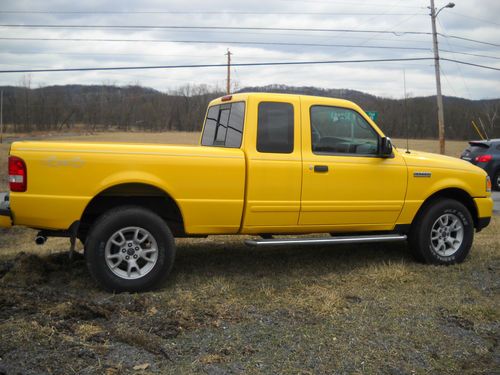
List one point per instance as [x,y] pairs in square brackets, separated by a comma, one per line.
[442,233]
[129,249]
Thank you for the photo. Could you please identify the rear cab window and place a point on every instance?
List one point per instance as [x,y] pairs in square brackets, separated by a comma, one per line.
[275,128]
[224,125]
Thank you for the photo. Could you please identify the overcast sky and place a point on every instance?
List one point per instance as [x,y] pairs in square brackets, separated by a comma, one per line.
[473,19]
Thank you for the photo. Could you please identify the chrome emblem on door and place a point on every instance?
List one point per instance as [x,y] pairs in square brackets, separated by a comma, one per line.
[422,174]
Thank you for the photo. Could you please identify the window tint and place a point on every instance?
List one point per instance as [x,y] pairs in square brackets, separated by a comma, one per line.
[210,124]
[224,125]
[275,128]
[235,126]
[479,149]
[340,130]
[221,128]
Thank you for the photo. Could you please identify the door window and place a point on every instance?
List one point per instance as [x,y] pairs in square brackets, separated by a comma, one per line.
[337,130]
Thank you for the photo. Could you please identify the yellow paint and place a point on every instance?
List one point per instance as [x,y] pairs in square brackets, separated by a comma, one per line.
[5,222]
[224,191]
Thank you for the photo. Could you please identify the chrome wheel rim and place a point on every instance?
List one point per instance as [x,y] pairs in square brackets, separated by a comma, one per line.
[447,234]
[131,252]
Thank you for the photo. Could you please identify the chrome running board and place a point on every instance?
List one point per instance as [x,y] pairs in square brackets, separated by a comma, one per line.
[326,240]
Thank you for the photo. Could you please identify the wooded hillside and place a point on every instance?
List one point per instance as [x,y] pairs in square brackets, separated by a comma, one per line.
[133,107]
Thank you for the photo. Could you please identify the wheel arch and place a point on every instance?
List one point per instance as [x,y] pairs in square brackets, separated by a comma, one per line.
[135,194]
[451,193]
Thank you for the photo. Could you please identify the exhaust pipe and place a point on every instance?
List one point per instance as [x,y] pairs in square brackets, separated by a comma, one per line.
[40,240]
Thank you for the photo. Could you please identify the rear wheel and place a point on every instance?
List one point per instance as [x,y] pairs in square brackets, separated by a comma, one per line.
[129,249]
[442,233]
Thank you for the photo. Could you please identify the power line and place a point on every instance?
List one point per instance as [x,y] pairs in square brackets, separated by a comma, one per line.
[352,3]
[448,81]
[374,37]
[468,54]
[203,12]
[181,27]
[469,40]
[89,54]
[453,53]
[218,42]
[215,65]
[241,64]
[474,18]
[229,42]
[303,35]
[471,64]
[175,27]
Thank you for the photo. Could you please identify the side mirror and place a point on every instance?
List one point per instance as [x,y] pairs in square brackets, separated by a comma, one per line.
[385,150]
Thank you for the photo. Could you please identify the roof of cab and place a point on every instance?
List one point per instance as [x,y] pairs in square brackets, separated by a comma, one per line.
[268,95]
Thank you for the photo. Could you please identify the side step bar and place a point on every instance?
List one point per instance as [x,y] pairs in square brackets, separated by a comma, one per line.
[326,241]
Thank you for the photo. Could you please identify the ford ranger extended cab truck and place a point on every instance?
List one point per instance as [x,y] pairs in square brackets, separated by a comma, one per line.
[267,164]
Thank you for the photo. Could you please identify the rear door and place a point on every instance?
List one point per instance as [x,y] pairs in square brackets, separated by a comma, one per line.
[274,165]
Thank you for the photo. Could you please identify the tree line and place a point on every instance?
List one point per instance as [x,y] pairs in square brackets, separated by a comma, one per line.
[134,108]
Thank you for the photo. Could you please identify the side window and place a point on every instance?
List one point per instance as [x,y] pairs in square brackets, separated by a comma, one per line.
[208,136]
[337,130]
[221,128]
[235,125]
[224,125]
[275,128]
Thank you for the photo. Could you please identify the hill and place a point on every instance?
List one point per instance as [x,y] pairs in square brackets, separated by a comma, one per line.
[103,107]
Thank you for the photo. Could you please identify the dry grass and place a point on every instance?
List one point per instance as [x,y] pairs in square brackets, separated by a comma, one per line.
[232,309]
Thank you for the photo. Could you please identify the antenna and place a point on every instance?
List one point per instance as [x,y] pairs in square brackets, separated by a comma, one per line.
[406,114]
[228,82]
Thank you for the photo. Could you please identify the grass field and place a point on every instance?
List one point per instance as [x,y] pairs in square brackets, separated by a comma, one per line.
[232,309]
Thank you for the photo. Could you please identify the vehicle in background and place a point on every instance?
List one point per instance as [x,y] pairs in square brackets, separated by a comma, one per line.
[486,155]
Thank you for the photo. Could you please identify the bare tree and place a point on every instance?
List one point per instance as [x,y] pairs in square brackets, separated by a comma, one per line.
[491,112]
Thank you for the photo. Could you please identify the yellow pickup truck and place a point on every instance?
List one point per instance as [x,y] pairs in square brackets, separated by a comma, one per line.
[267,165]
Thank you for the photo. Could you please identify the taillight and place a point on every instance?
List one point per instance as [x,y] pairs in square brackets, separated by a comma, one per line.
[18,174]
[483,158]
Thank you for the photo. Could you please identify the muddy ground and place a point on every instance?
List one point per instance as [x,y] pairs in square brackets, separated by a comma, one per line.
[231,309]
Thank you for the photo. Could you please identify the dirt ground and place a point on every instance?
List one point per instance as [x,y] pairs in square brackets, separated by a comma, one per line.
[231,309]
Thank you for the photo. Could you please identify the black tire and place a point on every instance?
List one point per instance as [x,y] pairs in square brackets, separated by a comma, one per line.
[495,183]
[419,239]
[154,231]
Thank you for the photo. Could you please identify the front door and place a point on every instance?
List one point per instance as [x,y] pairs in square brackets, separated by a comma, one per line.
[346,185]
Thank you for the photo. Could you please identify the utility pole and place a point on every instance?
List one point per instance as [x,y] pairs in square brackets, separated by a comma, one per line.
[228,84]
[1,116]
[439,95]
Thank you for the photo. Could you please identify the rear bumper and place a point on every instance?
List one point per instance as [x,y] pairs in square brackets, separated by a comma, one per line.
[5,212]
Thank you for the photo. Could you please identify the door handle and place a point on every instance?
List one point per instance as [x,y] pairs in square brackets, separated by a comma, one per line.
[321,168]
